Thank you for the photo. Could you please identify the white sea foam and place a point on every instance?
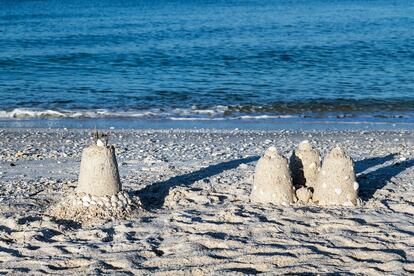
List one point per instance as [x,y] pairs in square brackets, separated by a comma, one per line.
[177,114]
[184,113]
[28,113]
[21,113]
[217,113]
[250,117]
[196,119]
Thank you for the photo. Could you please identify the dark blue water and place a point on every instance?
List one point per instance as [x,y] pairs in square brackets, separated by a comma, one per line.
[183,60]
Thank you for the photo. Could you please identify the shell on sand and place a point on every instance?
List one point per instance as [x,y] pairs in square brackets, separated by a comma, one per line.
[99,174]
[89,209]
[336,181]
[272,180]
[305,164]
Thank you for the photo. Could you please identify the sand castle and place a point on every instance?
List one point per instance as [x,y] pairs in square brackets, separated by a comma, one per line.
[99,191]
[336,183]
[272,180]
[305,164]
[99,174]
[332,184]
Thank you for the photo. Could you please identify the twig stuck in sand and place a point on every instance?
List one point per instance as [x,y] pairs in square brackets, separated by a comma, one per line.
[100,138]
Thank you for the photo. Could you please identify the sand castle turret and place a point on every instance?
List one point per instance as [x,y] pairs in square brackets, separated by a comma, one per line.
[305,164]
[336,183]
[99,174]
[272,180]
[99,192]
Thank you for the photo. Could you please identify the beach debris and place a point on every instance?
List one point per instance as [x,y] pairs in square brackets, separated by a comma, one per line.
[336,183]
[305,164]
[100,138]
[98,194]
[272,180]
[20,154]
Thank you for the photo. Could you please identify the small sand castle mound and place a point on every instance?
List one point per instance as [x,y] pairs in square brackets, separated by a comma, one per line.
[272,180]
[304,194]
[305,164]
[336,184]
[98,194]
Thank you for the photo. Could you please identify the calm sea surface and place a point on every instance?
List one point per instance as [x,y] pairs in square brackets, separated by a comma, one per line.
[202,60]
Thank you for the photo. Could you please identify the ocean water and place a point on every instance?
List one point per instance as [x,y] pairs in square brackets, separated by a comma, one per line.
[207,60]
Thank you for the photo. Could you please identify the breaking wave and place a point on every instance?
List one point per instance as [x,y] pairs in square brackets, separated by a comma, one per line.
[204,114]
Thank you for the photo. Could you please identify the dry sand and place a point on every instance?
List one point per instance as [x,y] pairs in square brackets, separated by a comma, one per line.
[195,186]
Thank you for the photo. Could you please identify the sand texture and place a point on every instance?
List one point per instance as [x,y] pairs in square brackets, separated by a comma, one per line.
[197,218]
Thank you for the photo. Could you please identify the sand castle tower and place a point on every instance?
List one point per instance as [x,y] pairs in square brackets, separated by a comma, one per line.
[99,174]
[305,164]
[99,192]
[336,183]
[272,180]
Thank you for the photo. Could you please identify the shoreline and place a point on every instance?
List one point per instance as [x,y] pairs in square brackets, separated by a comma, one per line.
[196,185]
[306,124]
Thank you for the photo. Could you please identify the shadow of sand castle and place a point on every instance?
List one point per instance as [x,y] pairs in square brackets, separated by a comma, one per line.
[153,196]
[365,164]
[372,181]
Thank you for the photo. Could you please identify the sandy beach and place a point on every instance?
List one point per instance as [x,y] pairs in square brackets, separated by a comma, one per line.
[195,186]
[206,137]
